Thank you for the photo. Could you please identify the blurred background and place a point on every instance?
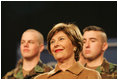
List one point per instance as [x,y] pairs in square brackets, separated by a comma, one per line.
[17,16]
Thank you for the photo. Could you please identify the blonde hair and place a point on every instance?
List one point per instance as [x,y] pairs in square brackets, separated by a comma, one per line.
[40,36]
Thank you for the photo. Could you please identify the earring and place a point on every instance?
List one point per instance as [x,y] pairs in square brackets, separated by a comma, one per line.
[74,49]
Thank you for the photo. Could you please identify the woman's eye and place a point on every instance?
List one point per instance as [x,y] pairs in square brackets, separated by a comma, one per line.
[61,38]
[51,41]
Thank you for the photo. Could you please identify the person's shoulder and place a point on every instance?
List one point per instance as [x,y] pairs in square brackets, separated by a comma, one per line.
[8,74]
[47,66]
[106,62]
[92,73]
[11,73]
[44,75]
[109,70]
[112,67]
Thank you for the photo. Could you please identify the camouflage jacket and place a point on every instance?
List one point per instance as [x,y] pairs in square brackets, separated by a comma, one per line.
[17,73]
[107,70]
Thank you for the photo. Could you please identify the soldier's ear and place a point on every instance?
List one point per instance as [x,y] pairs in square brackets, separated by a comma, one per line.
[105,46]
[41,48]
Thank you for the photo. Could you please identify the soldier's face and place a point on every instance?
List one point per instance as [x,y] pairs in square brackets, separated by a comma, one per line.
[29,45]
[93,44]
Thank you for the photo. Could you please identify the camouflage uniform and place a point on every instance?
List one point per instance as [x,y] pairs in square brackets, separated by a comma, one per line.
[17,73]
[107,70]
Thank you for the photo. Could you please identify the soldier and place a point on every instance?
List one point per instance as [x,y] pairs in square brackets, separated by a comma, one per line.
[95,44]
[32,44]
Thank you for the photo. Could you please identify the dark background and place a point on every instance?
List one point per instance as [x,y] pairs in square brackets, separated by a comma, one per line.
[17,16]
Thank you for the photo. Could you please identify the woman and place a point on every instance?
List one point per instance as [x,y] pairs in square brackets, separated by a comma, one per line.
[65,43]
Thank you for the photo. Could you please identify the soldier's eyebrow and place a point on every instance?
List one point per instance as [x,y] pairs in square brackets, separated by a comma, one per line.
[93,39]
[22,40]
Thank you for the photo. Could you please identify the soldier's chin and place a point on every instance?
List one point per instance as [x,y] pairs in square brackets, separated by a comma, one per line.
[90,58]
[27,57]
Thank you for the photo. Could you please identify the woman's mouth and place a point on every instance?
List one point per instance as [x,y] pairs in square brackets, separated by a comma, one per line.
[58,50]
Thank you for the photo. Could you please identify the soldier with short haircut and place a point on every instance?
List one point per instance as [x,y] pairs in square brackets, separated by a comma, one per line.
[30,65]
[95,44]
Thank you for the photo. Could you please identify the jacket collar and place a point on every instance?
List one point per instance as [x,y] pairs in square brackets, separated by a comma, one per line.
[76,69]
[18,72]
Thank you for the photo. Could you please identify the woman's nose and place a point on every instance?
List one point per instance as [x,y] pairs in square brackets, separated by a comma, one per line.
[56,44]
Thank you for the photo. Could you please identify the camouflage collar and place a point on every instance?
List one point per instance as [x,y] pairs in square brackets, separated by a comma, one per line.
[18,72]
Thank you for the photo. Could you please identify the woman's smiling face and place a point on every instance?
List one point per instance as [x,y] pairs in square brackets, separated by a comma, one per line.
[61,46]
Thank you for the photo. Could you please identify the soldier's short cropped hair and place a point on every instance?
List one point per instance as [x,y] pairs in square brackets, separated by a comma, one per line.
[40,36]
[96,28]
